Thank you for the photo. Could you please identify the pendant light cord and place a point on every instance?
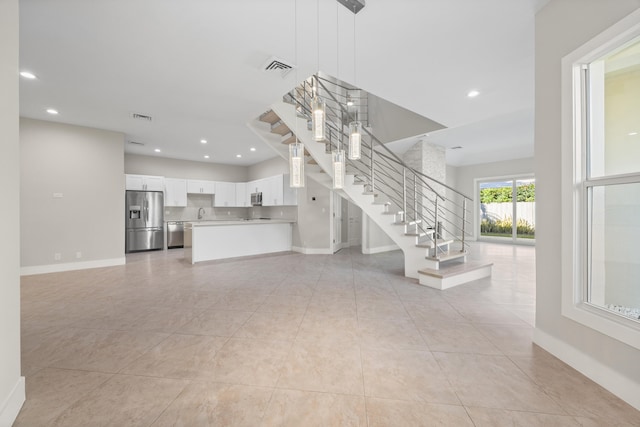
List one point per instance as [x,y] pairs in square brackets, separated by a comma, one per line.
[354,47]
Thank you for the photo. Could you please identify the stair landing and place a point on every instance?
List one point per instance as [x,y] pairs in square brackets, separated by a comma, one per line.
[450,275]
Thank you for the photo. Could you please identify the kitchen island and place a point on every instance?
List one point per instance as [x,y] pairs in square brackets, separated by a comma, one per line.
[211,240]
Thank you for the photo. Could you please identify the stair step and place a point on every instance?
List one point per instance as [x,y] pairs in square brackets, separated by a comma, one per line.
[280,129]
[270,117]
[408,222]
[432,244]
[389,213]
[370,193]
[289,140]
[416,234]
[312,162]
[448,256]
[454,274]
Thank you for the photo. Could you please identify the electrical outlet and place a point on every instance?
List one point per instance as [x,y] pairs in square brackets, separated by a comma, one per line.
[57,256]
[78,255]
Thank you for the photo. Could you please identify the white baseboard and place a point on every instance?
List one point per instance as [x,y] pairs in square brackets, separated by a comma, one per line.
[380,249]
[608,378]
[312,251]
[70,266]
[12,404]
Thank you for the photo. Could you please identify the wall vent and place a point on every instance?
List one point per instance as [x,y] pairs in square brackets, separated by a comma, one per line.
[277,64]
[141,117]
[136,143]
[457,147]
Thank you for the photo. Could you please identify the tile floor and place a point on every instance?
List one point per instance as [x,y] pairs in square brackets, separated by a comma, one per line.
[295,340]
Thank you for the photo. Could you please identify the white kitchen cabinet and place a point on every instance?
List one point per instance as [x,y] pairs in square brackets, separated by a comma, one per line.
[144,182]
[290,195]
[242,197]
[273,191]
[175,192]
[225,194]
[201,187]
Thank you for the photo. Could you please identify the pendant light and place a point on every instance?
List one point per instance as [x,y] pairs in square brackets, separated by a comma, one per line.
[296,164]
[318,116]
[355,139]
[296,150]
[338,161]
[355,127]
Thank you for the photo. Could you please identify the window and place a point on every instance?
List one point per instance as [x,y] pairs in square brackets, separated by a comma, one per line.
[601,183]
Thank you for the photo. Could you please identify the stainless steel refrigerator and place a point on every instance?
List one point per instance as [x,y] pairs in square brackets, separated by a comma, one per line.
[144,220]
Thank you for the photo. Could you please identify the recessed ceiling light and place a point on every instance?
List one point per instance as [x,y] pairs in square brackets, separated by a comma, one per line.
[157,150]
[27,75]
[633,133]
[252,149]
[52,111]
[473,93]
[206,156]
[203,141]
[238,155]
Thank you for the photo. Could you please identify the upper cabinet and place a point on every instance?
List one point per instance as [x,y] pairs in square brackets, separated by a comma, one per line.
[201,187]
[272,194]
[144,182]
[275,191]
[225,194]
[242,197]
[290,195]
[175,192]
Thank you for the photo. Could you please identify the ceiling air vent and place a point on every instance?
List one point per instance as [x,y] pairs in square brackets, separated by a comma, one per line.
[136,143]
[141,117]
[277,64]
[457,147]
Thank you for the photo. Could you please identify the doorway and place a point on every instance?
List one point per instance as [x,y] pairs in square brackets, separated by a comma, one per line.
[506,210]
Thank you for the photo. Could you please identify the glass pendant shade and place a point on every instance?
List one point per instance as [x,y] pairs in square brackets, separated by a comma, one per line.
[355,140]
[296,165]
[318,118]
[338,161]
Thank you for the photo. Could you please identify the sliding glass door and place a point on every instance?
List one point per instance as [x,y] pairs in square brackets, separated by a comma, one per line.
[507,210]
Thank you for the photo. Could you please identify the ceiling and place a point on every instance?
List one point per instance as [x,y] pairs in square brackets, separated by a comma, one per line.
[195,67]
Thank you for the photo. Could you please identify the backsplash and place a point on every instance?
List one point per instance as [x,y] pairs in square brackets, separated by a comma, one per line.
[205,201]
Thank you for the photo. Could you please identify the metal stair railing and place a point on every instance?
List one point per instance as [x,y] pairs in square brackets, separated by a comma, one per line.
[383,172]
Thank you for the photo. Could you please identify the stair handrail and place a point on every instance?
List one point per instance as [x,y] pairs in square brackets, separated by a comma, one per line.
[393,155]
[391,158]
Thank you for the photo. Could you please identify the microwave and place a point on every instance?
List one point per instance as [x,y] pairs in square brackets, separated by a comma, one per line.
[256,199]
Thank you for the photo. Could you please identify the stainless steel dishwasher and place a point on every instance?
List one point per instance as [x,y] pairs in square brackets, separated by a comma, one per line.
[175,234]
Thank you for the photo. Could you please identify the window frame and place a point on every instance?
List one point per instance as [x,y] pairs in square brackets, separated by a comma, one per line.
[576,184]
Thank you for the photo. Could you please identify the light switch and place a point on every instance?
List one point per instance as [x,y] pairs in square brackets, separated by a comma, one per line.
[57,195]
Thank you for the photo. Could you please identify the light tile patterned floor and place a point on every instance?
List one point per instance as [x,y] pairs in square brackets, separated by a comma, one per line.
[296,340]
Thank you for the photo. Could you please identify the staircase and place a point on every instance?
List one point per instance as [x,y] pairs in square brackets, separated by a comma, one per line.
[403,202]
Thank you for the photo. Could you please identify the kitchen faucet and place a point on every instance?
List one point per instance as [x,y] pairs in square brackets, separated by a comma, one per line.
[200,213]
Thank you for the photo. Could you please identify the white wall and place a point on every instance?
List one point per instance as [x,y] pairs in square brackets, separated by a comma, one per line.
[85,166]
[271,167]
[11,383]
[561,27]
[175,168]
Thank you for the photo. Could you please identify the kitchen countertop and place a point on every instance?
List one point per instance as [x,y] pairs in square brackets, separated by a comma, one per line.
[209,223]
